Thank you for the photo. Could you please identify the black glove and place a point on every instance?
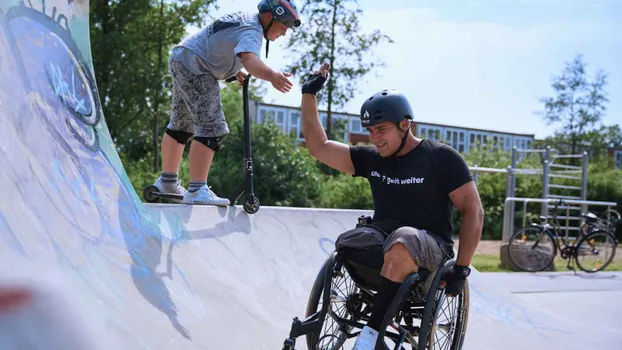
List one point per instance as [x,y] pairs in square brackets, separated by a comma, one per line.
[455,277]
[313,84]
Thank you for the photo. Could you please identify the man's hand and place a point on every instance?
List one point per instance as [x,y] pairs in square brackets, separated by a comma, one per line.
[454,279]
[280,82]
[240,76]
[316,80]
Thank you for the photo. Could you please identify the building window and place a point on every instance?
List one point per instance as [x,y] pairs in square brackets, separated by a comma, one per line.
[274,114]
[295,127]
[355,126]
[431,133]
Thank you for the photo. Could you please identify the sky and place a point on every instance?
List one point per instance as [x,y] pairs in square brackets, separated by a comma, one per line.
[478,64]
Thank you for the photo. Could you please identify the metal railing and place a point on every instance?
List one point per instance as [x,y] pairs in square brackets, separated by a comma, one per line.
[508,213]
[476,170]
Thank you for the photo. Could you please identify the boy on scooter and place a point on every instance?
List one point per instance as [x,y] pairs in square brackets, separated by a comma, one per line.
[217,52]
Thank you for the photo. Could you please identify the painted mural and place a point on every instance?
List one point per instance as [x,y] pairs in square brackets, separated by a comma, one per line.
[65,194]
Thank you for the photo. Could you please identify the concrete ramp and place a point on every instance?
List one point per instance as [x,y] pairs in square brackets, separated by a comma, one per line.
[103,271]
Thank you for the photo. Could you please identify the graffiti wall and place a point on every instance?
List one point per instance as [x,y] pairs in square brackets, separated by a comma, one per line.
[64,196]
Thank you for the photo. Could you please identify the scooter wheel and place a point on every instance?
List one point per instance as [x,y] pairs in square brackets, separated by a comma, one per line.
[251,205]
[149,194]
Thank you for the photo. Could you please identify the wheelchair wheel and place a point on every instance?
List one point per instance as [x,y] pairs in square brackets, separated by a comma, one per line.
[445,319]
[336,309]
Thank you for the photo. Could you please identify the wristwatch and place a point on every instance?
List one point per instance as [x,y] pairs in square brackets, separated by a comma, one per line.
[462,271]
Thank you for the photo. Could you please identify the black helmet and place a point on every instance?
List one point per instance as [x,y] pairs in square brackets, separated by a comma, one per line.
[388,105]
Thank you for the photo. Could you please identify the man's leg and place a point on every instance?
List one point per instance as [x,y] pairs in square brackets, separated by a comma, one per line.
[398,263]
[202,96]
[405,250]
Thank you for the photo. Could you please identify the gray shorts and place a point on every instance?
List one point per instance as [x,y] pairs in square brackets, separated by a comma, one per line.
[427,252]
[196,106]
[425,249]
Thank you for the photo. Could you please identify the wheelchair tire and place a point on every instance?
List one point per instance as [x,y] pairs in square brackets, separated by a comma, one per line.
[436,297]
[326,272]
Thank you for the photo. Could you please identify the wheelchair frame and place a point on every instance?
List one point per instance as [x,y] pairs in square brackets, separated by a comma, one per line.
[402,307]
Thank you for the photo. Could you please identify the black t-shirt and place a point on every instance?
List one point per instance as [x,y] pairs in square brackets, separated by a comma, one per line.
[413,189]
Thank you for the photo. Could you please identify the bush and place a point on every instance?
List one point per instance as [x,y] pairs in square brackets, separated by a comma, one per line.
[604,184]
[346,192]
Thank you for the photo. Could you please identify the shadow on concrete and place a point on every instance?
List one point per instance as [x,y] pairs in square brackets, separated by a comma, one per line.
[144,245]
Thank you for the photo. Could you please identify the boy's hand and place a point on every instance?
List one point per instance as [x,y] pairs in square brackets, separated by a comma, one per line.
[280,82]
[241,76]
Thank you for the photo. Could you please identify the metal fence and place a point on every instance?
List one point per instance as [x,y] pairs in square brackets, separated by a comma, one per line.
[508,211]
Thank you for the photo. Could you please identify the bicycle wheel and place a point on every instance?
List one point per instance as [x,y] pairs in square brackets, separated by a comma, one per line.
[532,249]
[598,249]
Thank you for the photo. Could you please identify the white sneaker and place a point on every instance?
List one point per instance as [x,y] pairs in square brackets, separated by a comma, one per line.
[366,339]
[175,188]
[206,196]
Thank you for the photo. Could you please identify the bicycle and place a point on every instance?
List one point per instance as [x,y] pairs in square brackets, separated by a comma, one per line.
[548,239]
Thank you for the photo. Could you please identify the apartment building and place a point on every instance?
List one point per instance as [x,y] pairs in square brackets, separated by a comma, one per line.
[461,138]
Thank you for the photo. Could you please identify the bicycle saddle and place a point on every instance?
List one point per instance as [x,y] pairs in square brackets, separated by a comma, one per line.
[590,216]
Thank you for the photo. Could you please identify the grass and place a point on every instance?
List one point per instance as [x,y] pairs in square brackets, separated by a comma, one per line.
[492,263]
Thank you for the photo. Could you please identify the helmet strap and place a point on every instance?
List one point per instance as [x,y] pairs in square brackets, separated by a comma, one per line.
[265,35]
[403,143]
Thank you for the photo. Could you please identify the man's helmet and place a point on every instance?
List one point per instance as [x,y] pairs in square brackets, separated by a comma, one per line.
[284,11]
[388,105]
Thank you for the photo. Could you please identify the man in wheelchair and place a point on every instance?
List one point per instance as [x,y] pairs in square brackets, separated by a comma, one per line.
[415,184]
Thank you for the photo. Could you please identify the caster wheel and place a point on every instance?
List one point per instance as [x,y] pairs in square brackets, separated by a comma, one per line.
[289,344]
[149,194]
[251,205]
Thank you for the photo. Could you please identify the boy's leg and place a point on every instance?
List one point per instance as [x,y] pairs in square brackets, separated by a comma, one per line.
[179,130]
[202,96]
[405,250]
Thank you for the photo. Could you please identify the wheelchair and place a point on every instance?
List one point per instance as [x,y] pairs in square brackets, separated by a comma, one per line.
[417,316]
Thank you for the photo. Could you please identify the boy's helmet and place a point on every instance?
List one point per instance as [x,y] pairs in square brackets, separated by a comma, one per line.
[284,11]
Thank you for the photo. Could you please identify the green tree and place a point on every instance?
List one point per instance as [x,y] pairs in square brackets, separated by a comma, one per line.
[333,34]
[130,43]
[577,107]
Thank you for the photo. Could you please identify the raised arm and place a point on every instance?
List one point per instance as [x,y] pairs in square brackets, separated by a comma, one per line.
[332,153]
[255,66]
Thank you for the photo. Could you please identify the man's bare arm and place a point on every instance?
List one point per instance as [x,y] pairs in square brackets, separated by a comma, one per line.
[466,199]
[332,153]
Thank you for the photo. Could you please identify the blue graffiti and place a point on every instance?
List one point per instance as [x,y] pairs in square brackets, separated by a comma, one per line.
[323,242]
[66,91]
[68,184]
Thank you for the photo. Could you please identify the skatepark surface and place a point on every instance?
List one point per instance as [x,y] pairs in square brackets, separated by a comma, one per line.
[105,271]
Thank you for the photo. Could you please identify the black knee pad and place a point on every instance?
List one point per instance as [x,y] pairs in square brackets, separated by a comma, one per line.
[179,136]
[214,143]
